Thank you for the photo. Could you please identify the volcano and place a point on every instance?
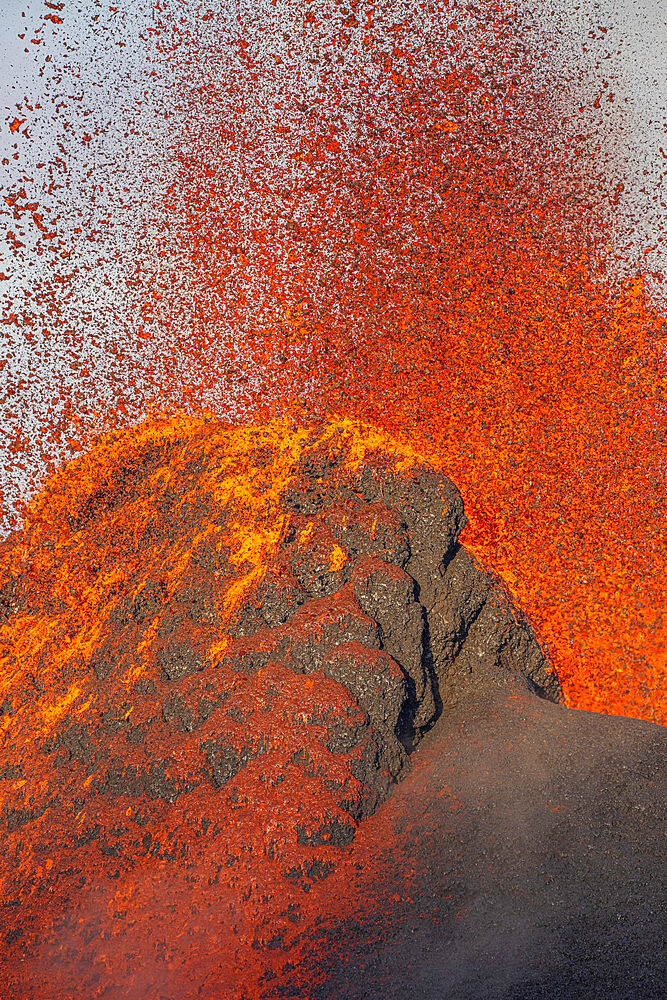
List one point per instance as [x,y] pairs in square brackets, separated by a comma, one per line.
[271,730]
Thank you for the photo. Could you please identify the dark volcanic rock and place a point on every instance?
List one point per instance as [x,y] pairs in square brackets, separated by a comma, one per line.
[526,862]
[376,590]
[473,620]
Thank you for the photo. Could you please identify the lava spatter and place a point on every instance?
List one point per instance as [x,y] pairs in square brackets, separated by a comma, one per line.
[227,636]
[201,705]
[389,211]
[427,244]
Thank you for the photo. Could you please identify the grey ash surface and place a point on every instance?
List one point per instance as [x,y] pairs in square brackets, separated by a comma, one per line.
[538,873]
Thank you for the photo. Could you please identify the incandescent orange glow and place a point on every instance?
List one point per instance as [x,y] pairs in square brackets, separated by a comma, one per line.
[409,258]
[155,537]
[447,280]
[151,540]
[468,306]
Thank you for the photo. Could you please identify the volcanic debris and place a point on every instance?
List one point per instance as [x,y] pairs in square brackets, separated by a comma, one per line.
[359,631]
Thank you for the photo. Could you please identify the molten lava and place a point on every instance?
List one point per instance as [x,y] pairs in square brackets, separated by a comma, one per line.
[419,247]
[424,242]
[120,597]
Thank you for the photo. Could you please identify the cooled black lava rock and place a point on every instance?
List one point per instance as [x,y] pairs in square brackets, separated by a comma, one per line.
[372,586]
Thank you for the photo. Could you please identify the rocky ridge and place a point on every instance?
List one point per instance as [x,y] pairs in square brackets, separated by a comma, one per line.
[372,588]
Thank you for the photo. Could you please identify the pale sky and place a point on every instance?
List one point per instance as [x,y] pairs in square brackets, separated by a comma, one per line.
[105,60]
